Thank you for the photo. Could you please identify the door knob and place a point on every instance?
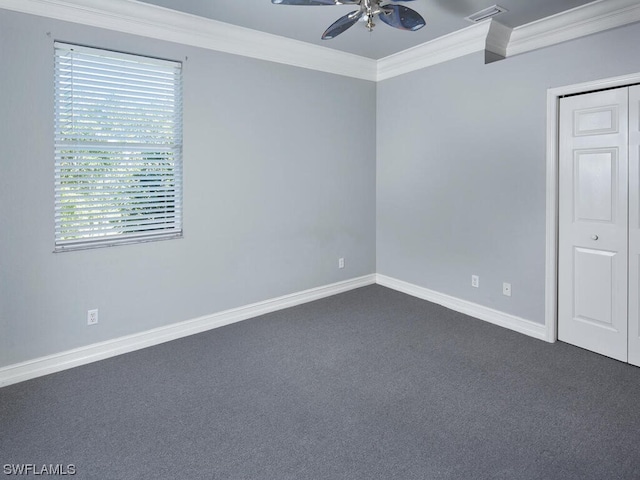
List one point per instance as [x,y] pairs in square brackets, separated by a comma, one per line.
[594,237]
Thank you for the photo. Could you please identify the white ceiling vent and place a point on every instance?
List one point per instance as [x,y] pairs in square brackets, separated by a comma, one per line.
[486,13]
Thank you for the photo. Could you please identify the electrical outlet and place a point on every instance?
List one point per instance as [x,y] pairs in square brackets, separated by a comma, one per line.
[506,289]
[92,317]
[475,281]
[341,262]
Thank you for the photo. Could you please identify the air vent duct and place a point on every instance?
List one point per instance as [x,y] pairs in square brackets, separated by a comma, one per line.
[486,13]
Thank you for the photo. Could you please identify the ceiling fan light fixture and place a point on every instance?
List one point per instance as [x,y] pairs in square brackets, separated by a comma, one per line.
[486,13]
[396,16]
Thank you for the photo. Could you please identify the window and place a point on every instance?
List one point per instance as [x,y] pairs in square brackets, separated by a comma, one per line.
[118,148]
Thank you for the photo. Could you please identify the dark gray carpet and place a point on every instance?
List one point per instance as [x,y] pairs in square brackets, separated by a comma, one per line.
[370,384]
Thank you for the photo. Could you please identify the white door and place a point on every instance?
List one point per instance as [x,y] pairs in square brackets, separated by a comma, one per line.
[593,233]
[634,225]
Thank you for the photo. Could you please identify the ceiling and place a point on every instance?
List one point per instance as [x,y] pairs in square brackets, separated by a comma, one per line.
[307,23]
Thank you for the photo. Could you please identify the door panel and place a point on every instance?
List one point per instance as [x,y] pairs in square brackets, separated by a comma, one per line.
[595,173]
[596,121]
[593,280]
[593,210]
[634,225]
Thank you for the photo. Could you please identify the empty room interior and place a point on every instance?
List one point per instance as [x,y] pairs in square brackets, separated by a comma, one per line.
[233,249]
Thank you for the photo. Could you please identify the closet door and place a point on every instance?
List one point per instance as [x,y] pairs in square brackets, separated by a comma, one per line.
[593,233]
[634,225]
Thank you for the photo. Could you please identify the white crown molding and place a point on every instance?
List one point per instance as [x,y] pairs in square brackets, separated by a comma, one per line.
[578,22]
[38,367]
[137,18]
[491,35]
[498,38]
[480,312]
[462,42]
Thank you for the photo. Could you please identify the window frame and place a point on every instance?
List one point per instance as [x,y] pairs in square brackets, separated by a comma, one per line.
[119,180]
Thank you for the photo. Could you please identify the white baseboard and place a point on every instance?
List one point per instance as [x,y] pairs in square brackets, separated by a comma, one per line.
[38,367]
[490,315]
[80,356]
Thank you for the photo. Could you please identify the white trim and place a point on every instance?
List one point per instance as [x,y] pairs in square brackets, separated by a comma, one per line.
[99,351]
[137,18]
[498,37]
[487,314]
[442,49]
[571,24]
[551,238]
[81,356]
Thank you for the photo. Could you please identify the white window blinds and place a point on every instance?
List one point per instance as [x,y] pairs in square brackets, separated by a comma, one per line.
[118,148]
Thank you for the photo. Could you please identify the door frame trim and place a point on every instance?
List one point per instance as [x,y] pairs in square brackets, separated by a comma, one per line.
[552,188]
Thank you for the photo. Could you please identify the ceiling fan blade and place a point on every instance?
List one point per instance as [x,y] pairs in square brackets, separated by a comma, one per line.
[401,17]
[342,24]
[315,2]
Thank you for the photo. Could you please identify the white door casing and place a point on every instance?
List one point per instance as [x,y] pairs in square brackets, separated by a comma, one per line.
[634,225]
[593,218]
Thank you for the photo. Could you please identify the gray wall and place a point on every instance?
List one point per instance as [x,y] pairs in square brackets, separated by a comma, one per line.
[279,181]
[461,168]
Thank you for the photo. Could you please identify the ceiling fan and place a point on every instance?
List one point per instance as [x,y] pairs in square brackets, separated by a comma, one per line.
[397,16]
